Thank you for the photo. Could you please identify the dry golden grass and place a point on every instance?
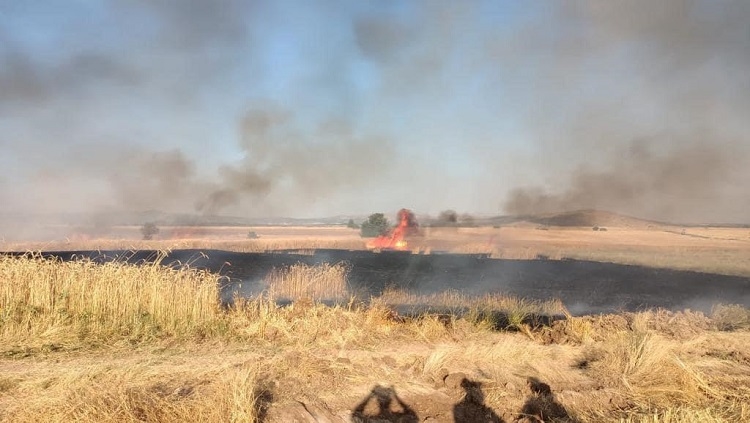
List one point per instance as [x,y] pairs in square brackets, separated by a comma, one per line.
[323,282]
[140,390]
[247,246]
[490,311]
[227,238]
[86,342]
[48,300]
[731,317]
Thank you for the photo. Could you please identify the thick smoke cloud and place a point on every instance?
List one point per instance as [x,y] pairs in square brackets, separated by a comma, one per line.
[257,109]
[671,144]
[75,161]
[682,184]
[309,164]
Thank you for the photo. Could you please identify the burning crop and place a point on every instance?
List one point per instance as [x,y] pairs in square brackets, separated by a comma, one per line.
[396,238]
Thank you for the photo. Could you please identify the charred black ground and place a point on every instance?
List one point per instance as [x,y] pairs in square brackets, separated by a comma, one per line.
[584,287]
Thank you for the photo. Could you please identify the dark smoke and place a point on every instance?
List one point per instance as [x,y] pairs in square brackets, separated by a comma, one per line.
[84,153]
[25,83]
[637,107]
[309,164]
[682,185]
[144,179]
[671,144]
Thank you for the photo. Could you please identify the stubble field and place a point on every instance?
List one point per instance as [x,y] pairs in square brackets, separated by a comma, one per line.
[118,342]
[715,250]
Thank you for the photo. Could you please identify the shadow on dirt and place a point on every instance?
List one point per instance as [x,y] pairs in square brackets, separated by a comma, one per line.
[382,408]
[472,408]
[264,397]
[541,405]
[584,287]
[382,404]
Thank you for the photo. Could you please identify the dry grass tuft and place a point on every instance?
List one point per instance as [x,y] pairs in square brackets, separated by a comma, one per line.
[687,415]
[325,281]
[649,370]
[457,301]
[731,317]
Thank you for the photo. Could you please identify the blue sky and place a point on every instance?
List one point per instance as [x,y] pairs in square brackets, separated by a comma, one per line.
[312,108]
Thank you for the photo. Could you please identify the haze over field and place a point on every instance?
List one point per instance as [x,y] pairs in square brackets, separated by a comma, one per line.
[325,108]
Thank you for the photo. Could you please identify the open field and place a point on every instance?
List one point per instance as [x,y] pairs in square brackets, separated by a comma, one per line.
[714,250]
[86,342]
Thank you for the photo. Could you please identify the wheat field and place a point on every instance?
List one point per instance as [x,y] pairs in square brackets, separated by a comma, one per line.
[116,342]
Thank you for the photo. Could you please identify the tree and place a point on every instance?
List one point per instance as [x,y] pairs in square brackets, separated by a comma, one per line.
[447,218]
[375,225]
[149,230]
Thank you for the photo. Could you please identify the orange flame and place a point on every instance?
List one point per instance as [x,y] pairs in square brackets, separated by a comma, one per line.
[394,240]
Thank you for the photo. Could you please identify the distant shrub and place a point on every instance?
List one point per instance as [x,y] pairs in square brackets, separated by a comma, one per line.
[375,225]
[730,317]
[352,225]
[148,230]
[446,218]
[252,235]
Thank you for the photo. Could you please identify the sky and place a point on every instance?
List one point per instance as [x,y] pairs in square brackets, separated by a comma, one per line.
[322,108]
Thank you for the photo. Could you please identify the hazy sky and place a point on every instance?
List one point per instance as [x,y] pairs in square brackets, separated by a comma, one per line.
[316,108]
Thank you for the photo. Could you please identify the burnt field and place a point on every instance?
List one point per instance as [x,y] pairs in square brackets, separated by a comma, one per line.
[584,287]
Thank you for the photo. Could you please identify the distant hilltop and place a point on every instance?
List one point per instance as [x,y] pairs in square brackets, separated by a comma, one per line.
[587,218]
[591,218]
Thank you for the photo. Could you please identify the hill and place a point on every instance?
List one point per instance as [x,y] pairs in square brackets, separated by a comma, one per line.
[577,218]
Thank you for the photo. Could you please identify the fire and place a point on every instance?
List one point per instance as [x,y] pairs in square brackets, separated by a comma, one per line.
[394,240]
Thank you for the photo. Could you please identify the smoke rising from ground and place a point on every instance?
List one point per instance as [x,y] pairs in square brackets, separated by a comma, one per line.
[258,109]
[69,126]
[308,164]
[681,185]
[671,144]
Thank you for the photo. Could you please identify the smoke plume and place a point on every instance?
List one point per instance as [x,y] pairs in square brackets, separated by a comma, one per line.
[682,184]
[669,142]
[308,164]
[264,109]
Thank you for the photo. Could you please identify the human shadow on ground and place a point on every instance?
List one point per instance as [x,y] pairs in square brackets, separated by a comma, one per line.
[472,408]
[541,405]
[385,400]
[263,395]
